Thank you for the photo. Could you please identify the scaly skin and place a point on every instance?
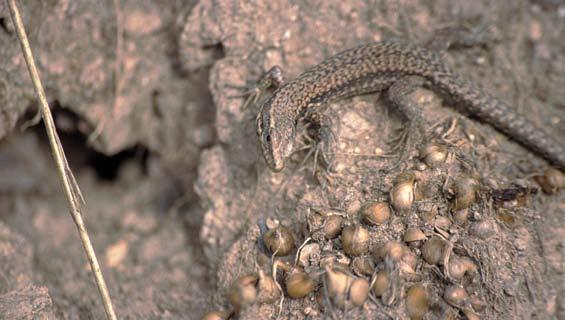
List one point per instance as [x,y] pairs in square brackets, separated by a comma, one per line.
[376,67]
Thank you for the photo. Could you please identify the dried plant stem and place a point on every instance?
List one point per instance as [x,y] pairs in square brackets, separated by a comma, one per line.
[72,191]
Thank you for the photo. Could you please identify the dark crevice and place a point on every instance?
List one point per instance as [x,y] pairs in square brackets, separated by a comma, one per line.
[217,51]
[108,167]
[155,104]
[73,132]
[4,25]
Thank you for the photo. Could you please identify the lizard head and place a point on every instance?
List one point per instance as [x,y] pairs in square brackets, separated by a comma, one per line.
[276,136]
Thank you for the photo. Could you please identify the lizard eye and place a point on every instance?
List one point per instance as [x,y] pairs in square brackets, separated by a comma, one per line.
[268,138]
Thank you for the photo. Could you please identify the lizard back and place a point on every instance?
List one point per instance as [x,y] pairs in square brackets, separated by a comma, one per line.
[375,67]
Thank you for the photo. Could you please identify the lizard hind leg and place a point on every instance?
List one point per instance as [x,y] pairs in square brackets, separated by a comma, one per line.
[399,95]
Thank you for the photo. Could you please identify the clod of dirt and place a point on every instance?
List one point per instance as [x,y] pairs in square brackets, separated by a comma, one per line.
[30,302]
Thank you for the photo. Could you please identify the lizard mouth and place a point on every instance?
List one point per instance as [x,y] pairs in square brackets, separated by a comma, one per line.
[273,163]
[276,167]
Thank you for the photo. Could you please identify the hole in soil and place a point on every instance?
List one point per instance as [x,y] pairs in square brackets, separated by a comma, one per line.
[73,131]
[4,25]
[108,167]
[217,50]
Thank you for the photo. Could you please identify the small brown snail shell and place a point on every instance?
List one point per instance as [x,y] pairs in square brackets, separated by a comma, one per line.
[299,284]
[484,229]
[459,266]
[359,291]
[456,296]
[362,265]
[268,290]
[355,240]
[337,284]
[402,193]
[243,292]
[375,213]
[217,315]
[551,181]
[414,235]
[465,189]
[326,224]
[433,154]
[442,222]
[433,250]
[332,226]
[381,283]
[420,166]
[279,241]
[397,252]
[345,290]
[394,250]
[308,253]
[417,302]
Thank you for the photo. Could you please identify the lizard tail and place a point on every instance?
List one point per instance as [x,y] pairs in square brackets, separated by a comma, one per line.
[504,118]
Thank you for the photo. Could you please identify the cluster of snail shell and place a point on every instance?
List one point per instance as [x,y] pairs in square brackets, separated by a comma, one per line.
[374,271]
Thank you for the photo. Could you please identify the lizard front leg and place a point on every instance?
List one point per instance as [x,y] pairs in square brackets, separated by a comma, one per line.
[273,78]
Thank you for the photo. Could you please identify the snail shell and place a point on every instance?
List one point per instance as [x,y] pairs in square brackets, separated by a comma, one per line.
[551,181]
[381,283]
[459,266]
[355,240]
[433,154]
[243,292]
[279,241]
[414,234]
[465,189]
[433,250]
[456,296]
[268,290]
[402,194]
[375,213]
[346,290]
[299,284]
[417,302]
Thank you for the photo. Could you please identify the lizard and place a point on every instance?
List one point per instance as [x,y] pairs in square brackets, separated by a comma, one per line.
[395,67]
